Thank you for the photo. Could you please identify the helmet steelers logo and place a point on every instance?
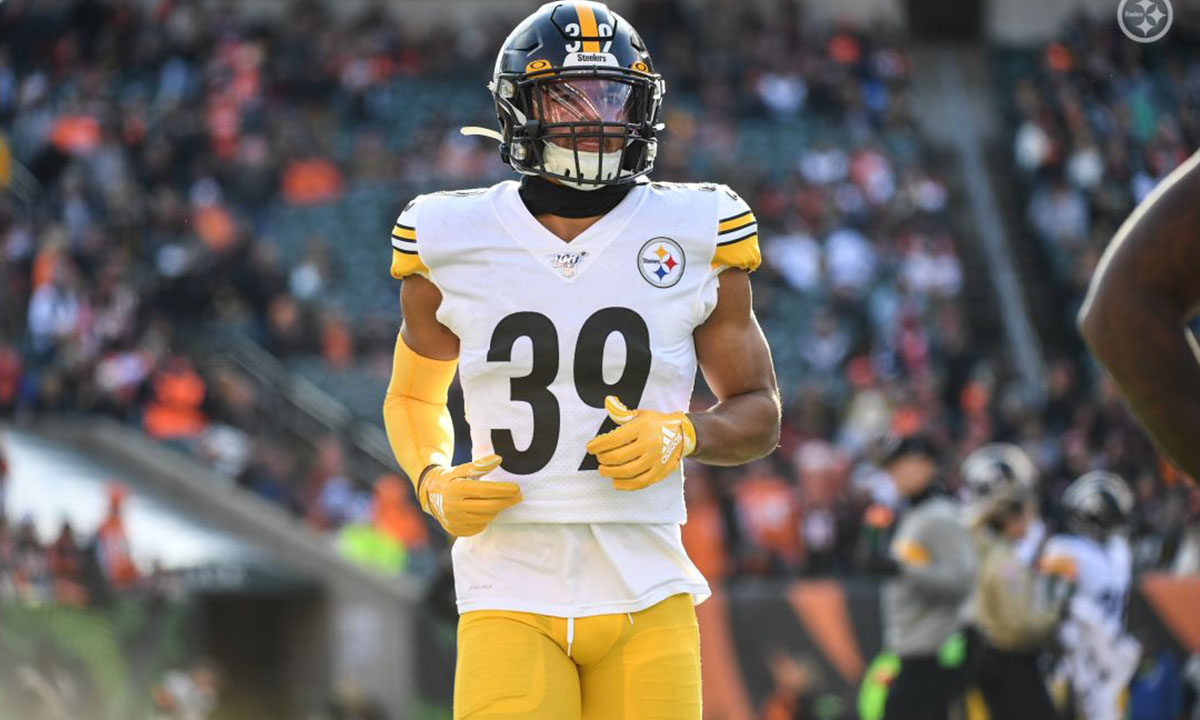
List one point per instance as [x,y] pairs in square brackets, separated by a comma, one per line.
[661,262]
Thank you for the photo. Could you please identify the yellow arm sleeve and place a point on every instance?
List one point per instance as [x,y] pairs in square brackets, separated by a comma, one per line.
[415,413]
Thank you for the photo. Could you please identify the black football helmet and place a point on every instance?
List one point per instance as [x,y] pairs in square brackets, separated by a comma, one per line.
[1097,504]
[577,97]
[997,477]
[998,469]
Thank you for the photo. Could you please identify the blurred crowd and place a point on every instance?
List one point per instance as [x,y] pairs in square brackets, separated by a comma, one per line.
[1099,122]
[151,142]
[172,155]
[168,140]
[75,571]
[69,569]
[818,508]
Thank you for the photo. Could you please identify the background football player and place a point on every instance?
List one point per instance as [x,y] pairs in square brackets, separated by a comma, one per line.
[1014,610]
[576,306]
[1099,655]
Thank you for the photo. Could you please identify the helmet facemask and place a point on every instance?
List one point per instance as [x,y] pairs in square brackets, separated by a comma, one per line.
[585,127]
[585,123]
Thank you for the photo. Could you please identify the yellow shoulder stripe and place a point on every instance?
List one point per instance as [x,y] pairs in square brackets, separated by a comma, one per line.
[405,262]
[404,232]
[736,222]
[1059,565]
[741,253]
[911,552]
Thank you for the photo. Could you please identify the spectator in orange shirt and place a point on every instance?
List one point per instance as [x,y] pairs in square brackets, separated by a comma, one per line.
[76,134]
[766,509]
[64,560]
[175,412]
[311,181]
[112,544]
[396,516]
[704,532]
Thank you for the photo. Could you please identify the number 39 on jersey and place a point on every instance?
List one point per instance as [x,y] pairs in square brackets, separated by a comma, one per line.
[547,329]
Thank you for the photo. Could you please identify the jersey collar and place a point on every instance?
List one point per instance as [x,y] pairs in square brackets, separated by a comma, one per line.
[552,251]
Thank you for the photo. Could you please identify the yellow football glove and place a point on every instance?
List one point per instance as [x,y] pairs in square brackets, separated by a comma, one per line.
[646,446]
[460,501]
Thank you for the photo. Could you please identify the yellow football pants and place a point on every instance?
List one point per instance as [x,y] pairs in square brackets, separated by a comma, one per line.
[639,666]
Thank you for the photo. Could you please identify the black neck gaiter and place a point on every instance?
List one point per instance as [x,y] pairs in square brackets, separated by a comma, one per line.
[542,197]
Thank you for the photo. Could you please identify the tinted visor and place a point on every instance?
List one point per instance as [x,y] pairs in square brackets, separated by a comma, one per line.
[588,114]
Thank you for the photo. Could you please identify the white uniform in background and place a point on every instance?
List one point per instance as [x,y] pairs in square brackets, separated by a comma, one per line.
[536,362]
[1029,547]
[1100,657]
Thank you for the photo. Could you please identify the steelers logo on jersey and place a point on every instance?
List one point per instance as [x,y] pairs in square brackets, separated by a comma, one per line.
[661,262]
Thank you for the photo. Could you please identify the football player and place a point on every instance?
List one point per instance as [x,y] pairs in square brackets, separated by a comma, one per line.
[1099,655]
[1146,287]
[998,465]
[1014,610]
[576,305]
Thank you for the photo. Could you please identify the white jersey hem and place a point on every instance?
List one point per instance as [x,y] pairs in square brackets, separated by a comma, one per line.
[699,592]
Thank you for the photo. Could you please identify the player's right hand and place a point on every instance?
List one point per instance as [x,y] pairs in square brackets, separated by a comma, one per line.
[463,502]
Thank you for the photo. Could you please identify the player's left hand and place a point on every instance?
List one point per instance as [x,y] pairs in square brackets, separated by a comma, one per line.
[646,446]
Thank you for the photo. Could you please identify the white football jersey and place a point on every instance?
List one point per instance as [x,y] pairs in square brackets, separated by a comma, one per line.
[1102,571]
[1099,656]
[573,570]
[547,329]
[1030,544]
[619,304]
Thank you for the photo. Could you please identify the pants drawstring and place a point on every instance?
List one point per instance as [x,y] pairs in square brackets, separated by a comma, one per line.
[571,631]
